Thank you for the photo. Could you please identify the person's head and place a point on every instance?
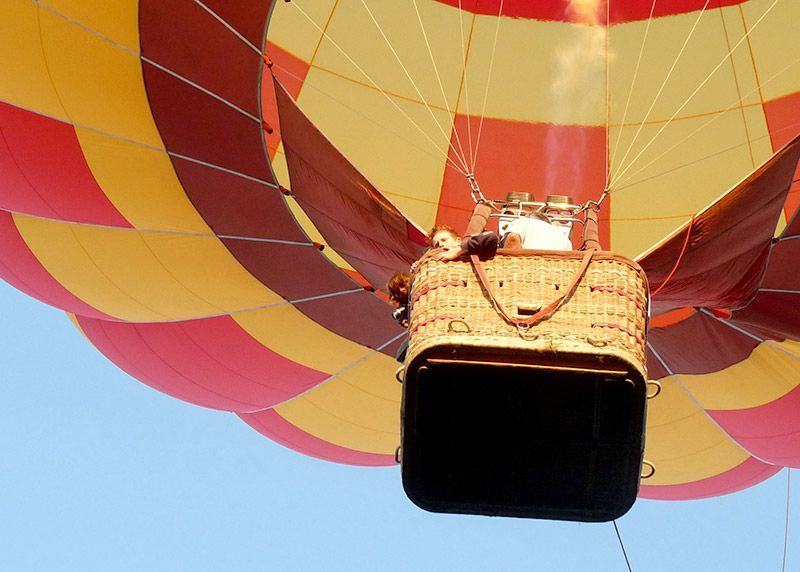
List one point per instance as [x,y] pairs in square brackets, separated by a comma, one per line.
[443,236]
[398,286]
[508,216]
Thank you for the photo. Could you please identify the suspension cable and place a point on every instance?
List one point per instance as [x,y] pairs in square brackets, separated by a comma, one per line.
[622,546]
[414,84]
[691,96]
[663,84]
[623,183]
[450,112]
[627,185]
[717,116]
[630,91]
[464,78]
[786,526]
[475,189]
[488,79]
[358,112]
[379,88]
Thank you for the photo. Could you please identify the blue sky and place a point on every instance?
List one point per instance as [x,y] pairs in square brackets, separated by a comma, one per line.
[100,472]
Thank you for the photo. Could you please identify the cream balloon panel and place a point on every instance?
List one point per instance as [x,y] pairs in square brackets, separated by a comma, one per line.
[539,64]
[409,74]
[686,68]
[775,45]
[658,188]
[290,28]
[402,155]
[547,72]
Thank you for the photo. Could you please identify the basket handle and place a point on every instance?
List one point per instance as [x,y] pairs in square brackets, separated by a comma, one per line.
[545,312]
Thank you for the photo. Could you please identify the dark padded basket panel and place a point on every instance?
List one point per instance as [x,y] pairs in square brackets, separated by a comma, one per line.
[485,438]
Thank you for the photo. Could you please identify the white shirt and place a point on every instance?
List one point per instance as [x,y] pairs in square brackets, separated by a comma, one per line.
[537,234]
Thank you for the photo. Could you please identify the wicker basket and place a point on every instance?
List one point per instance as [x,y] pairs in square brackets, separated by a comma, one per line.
[543,420]
[606,315]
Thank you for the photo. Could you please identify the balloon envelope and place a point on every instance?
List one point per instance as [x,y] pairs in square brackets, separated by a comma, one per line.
[142,166]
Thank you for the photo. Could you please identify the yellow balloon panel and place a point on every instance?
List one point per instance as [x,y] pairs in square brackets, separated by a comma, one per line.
[404,159]
[139,276]
[288,332]
[100,84]
[26,78]
[140,182]
[683,443]
[771,371]
[358,409]
[117,20]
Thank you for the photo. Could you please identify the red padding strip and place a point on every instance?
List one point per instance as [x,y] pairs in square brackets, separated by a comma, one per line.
[613,290]
[434,319]
[621,328]
[435,286]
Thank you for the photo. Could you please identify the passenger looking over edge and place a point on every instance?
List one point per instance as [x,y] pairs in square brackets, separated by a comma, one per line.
[529,231]
[398,287]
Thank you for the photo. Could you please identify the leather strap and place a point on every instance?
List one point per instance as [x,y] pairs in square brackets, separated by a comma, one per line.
[545,312]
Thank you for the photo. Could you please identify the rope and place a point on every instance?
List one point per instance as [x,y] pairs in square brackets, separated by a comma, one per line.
[631,184]
[622,546]
[414,84]
[608,95]
[309,85]
[786,526]
[622,329]
[663,84]
[680,257]
[379,88]
[699,87]
[432,287]
[439,79]
[544,313]
[706,124]
[633,84]
[488,80]
[464,79]
[618,292]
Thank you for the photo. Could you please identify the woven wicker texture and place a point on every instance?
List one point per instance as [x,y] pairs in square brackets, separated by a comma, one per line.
[606,315]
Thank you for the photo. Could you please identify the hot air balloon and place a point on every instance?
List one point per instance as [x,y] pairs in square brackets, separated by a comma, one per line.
[145,191]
